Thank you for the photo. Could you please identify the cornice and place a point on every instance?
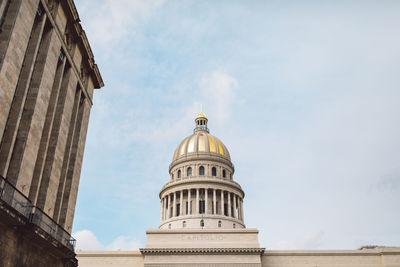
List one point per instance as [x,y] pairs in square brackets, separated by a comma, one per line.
[198,180]
[371,252]
[207,156]
[233,251]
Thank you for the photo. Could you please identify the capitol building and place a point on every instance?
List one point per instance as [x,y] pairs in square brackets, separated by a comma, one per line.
[202,221]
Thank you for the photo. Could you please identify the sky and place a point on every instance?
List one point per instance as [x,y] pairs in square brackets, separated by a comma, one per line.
[304,94]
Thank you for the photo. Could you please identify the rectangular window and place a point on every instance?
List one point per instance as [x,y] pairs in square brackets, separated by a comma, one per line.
[187,207]
[178,209]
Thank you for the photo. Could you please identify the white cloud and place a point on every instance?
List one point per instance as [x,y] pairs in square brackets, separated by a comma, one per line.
[107,21]
[219,91]
[86,240]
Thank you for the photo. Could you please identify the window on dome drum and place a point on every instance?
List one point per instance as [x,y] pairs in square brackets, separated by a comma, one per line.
[214,171]
[169,226]
[179,174]
[223,173]
[187,207]
[178,209]
[201,223]
[184,224]
[234,225]
[219,224]
[226,209]
[202,206]
[201,170]
[189,171]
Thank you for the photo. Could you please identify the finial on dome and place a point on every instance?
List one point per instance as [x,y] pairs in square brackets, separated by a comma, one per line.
[201,122]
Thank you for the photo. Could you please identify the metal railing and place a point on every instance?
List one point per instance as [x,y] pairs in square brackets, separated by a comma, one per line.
[18,201]
[14,198]
[46,223]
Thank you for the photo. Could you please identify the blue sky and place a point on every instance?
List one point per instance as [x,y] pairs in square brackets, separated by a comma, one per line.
[305,95]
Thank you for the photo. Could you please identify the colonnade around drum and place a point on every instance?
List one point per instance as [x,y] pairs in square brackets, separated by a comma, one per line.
[201,201]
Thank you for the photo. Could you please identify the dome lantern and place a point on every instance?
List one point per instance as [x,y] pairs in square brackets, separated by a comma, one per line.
[201,122]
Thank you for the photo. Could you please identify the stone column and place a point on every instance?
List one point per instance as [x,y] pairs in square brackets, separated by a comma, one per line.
[241,209]
[181,204]
[229,204]
[189,200]
[162,208]
[169,206]
[164,205]
[234,206]
[206,201]
[174,206]
[197,201]
[222,202]
[214,201]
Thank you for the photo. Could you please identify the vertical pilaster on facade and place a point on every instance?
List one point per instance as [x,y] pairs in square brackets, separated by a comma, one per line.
[197,201]
[234,206]
[27,143]
[214,202]
[222,203]
[3,7]
[16,25]
[14,115]
[189,201]
[229,204]
[70,124]
[75,166]
[181,204]
[49,137]
[52,176]
[174,206]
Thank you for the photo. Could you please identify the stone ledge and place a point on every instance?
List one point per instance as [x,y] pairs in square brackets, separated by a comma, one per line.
[257,251]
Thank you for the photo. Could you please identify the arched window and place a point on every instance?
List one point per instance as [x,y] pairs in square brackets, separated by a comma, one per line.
[223,173]
[189,171]
[214,171]
[184,224]
[179,174]
[201,223]
[201,170]
[219,224]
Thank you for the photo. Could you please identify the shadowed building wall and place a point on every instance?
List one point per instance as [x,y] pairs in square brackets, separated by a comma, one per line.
[47,79]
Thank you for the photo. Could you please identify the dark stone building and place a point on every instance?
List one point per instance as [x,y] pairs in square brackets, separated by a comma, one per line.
[47,79]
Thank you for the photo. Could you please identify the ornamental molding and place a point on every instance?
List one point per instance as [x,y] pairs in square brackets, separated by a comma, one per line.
[175,251]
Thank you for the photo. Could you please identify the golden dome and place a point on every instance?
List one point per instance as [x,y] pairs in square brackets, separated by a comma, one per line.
[201,142]
[201,115]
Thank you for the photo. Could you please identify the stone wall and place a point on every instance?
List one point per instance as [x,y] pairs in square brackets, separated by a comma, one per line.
[374,257]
